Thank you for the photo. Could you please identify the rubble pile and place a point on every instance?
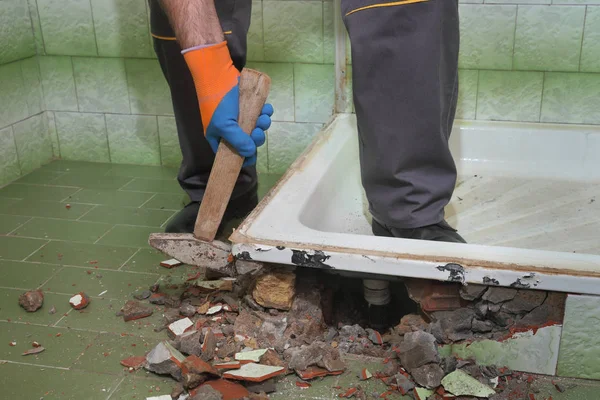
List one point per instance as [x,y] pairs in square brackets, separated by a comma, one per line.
[236,335]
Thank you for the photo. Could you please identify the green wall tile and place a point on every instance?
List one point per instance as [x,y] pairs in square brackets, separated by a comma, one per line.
[148,89]
[33,143]
[121,28]
[487,36]
[58,83]
[37,27]
[281,94]
[548,38]
[67,27]
[580,343]
[262,158]
[82,136]
[287,141]
[256,50]
[510,95]
[16,36]
[13,96]
[314,92]
[101,84]
[33,85]
[590,56]
[50,125]
[133,139]
[571,98]
[170,153]
[9,161]
[467,93]
[293,31]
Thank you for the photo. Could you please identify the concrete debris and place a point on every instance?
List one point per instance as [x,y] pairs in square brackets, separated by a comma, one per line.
[482,326]
[253,372]
[32,301]
[164,359]
[460,383]
[524,301]
[410,323]
[178,390]
[250,356]
[417,349]
[452,326]
[352,331]
[434,296]
[142,294]
[245,267]
[228,390]
[472,291]
[275,289]
[209,345]
[428,375]
[225,284]
[189,343]
[253,304]
[35,350]
[497,294]
[187,310]
[158,298]
[79,301]
[272,358]
[133,310]
[178,327]
[52,310]
[449,364]
[170,263]
[207,393]
[404,384]
[261,387]
[196,371]
[134,362]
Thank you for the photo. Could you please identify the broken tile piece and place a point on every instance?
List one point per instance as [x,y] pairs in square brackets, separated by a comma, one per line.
[206,393]
[459,383]
[348,393]
[135,362]
[196,365]
[177,328]
[162,397]
[315,372]
[404,384]
[164,359]
[79,301]
[35,350]
[214,309]
[209,345]
[374,336]
[228,365]
[253,356]
[171,263]
[189,343]
[364,374]
[142,294]
[229,390]
[31,301]
[422,393]
[158,298]
[225,285]
[133,310]
[253,372]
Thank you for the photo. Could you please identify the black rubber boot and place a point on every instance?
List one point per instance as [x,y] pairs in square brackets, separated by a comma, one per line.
[441,232]
[184,220]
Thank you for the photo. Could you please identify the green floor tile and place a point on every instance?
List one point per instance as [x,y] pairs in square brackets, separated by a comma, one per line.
[9,223]
[109,197]
[154,186]
[90,180]
[50,209]
[40,176]
[117,284]
[142,171]
[61,351]
[38,192]
[132,236]
[76,231]
[320,389]
[77,166]
[100,316]
[134,388]
[6,202]
[25,275]
[544,388]
[32,382]
[83,255]
[11,311]
[350,379]
[167,202]
[16,248]
[110,348]
[128,216]
[148,261]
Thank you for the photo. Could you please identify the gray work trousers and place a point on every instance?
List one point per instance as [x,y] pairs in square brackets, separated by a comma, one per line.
[405,82]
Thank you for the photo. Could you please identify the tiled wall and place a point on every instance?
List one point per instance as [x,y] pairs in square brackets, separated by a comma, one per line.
[106,99]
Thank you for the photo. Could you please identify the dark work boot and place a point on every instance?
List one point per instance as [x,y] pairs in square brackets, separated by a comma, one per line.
[441,232]
[184,220]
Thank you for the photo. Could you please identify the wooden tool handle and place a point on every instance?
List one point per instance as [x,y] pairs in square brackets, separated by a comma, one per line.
[254,88]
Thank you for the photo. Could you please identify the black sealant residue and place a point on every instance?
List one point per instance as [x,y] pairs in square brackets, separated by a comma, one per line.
[280,247]
[317,260]
[457,272]
[520,285]
[244,255]
[490,281]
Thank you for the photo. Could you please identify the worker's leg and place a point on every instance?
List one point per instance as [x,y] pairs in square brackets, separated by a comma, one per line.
[198,157]
[405,80]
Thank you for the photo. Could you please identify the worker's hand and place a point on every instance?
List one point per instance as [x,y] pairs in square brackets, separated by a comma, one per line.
[217,86]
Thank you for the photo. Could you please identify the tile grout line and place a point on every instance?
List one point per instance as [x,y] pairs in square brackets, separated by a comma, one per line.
[52,276]
[168,219]
[36,365]
[54,325]
[119,189]
[38,249]
[72,194]
[116,388]
[129,259]
[104,234]
[17,228]
[87,212]
[151,197]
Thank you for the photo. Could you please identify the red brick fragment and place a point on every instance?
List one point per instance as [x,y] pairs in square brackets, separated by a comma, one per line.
[348,393]
[134,362]
[79,301]
[229,390]
[133,310]
[303,385]
[31,301]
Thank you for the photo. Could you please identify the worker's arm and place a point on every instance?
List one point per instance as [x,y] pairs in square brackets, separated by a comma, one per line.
[200,35]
